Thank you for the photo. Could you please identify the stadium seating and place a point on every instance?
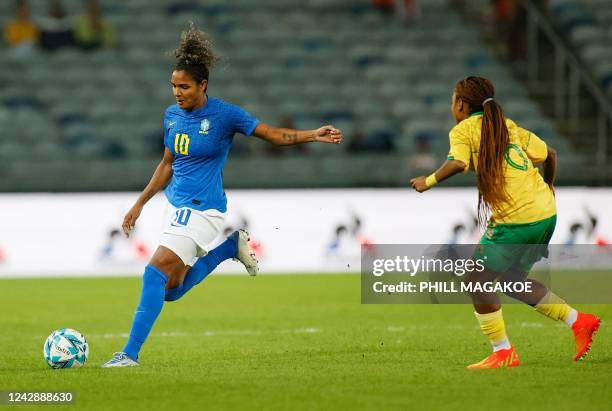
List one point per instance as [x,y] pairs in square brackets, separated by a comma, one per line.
[588,24]
[318,61]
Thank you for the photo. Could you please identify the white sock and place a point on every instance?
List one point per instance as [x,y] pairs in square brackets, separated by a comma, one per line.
[503,344]
[571,318]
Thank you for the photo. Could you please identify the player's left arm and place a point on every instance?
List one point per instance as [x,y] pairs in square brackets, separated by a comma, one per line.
[448,169]
[550,168]
[540,153]
[287,136]
[534,147]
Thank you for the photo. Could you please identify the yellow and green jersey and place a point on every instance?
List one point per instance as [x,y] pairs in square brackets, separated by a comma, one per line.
[530,198]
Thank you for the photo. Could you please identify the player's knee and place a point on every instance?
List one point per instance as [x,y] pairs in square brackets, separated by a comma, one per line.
[168,263]
[508,279]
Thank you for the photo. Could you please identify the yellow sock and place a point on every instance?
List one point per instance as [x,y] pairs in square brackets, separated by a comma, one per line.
[552,306]
[493,326]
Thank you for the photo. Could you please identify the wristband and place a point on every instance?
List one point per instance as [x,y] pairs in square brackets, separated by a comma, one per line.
[431,180]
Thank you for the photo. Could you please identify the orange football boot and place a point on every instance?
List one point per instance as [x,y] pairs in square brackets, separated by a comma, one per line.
[584,328]
[499,359]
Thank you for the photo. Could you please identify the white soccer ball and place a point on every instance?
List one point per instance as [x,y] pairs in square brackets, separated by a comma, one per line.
[66,348]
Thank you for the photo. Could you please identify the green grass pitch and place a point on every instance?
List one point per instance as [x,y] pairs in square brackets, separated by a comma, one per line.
[292,342]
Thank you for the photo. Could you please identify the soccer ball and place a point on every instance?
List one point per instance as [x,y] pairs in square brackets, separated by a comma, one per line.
[66,348]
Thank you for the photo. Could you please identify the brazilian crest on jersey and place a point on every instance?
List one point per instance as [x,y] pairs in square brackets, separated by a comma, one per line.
[204,126]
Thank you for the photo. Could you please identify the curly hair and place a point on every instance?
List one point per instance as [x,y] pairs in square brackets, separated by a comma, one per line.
[194,54]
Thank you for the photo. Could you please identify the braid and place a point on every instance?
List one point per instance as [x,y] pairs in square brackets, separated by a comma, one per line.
[493,143]
[194,54]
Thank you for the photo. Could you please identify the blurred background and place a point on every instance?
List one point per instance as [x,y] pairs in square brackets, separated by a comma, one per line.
[84,85]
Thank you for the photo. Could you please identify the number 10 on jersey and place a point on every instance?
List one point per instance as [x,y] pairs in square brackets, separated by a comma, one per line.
[181,144]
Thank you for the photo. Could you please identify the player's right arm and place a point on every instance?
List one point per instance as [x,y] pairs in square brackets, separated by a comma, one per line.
[159,180]
[448,169]
[458,161]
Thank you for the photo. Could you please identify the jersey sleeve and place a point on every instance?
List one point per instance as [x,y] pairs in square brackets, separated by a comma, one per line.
[242,121]
[460,147]
[533,146]
[166,127]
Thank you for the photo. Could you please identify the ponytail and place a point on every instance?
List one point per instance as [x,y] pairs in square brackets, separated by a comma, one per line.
[479,94]
[490,172]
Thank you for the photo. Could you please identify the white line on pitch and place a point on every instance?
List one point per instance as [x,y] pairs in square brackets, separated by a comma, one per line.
[208,333]
[531,325]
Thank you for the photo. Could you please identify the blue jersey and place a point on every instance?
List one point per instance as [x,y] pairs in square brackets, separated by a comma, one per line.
[200,141]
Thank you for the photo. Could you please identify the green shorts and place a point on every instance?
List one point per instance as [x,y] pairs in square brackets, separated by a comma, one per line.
[515,247]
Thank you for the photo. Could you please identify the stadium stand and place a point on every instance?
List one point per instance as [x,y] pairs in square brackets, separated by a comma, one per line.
[588,23]
[92,119]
